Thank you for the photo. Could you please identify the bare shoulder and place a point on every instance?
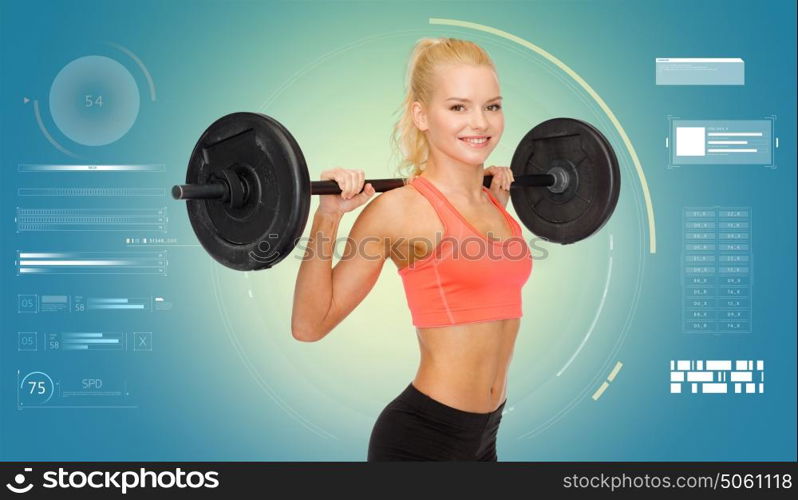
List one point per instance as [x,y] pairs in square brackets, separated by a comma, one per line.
[395,209]
[396,200]
[403,217]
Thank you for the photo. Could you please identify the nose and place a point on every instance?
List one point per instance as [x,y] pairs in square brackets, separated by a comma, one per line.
[478,120]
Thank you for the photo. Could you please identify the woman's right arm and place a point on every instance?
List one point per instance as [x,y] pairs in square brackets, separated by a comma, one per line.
[324,295]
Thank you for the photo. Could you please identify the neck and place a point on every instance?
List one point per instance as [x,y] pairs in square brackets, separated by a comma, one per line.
[456,178]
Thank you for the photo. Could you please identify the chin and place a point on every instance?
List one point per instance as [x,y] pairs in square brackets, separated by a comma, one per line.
[471,162]
[474,160]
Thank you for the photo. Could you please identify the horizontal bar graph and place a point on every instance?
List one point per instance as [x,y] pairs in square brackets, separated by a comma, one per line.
[41,263]
[85,341]
[117,303]
[91,219]
[42,167]
[35,304]
[91,192]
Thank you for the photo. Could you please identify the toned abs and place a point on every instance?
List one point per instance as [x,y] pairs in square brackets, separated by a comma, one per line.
[463,366]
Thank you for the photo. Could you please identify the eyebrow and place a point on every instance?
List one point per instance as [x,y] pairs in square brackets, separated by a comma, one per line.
[466,100]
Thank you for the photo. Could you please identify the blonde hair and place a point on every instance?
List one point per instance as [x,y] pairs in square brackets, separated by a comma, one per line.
[427,54]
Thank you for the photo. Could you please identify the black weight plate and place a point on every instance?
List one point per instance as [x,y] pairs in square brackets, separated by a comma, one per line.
[266,228]
[595,180]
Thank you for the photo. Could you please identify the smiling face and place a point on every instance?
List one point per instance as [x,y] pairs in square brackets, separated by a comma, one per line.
[464,120]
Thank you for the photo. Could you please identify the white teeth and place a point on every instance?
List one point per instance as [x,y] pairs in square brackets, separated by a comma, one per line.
[476,141]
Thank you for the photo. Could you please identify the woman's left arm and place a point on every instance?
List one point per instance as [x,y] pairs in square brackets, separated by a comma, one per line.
[500,185]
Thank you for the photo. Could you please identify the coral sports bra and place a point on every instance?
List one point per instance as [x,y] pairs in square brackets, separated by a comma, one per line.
[466,278]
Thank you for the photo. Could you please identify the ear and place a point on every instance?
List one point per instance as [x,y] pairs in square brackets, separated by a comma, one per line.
[419,116]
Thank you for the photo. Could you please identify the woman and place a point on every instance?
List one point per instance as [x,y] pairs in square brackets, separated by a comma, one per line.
[461,257]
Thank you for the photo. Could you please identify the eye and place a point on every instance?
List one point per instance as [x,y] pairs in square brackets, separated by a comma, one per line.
[496,106]
[456,106]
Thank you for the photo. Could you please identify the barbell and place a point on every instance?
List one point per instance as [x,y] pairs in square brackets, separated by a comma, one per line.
[248,187]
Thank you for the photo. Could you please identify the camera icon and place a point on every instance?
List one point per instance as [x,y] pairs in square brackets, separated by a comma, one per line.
[19,479]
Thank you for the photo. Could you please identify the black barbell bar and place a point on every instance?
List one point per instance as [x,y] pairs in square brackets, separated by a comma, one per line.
[220,190]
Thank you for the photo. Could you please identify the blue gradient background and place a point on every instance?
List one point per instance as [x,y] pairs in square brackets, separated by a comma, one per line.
[226,381]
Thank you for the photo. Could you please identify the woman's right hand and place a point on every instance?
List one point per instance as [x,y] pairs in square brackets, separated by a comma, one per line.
[351,182]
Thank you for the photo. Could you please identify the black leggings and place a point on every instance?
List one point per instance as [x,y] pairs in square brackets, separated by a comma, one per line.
[416,427]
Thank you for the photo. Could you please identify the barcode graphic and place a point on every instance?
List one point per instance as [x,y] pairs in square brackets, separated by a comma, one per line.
[744,376]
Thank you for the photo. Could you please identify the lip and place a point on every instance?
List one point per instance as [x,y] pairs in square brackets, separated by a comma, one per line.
[475,146]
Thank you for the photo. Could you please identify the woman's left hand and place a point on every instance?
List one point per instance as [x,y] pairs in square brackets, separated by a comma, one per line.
[500,185]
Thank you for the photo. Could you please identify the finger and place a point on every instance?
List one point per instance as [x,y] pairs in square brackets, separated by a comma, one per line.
[340,179]
[353,177]
[361,179]
[350,184]
[367,193]
[355,183]
[345,184]
[496,182]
